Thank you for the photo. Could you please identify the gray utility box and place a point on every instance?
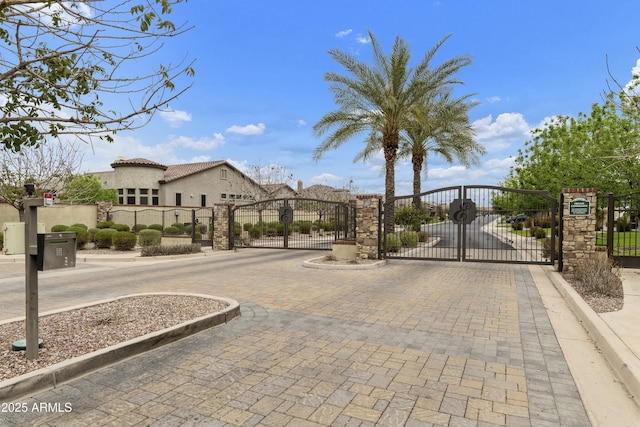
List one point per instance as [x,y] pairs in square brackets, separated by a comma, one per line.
[56,250]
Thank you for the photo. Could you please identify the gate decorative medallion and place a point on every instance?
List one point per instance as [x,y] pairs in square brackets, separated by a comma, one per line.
[474,223]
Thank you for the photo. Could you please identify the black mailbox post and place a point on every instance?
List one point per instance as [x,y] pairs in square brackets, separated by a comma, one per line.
[56,250]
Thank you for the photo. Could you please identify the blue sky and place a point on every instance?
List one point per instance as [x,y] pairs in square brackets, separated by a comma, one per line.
[259,87]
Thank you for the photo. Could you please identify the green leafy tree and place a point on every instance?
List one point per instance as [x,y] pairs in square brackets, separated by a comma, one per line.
[73,68]
[86,188]
[599,149]
[378,98]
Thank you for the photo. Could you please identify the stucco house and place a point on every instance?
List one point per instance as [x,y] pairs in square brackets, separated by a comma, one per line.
[144,182]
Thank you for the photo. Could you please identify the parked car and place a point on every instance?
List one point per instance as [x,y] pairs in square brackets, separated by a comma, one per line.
[517,218]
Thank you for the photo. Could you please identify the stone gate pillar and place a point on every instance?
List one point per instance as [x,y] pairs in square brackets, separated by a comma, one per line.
[221,227]
[367,224]
[579,226]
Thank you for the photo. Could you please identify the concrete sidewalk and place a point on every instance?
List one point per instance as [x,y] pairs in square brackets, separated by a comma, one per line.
[413,343]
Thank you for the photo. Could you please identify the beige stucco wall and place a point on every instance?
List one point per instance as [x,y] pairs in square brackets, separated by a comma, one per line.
[211,184]
[54,215]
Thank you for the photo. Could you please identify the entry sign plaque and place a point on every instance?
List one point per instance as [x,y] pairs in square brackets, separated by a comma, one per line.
[579,207]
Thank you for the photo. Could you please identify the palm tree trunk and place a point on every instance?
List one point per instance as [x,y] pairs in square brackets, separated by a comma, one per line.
[390,148]
[416,161]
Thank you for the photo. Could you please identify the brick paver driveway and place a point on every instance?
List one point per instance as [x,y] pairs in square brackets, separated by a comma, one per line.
[412,343]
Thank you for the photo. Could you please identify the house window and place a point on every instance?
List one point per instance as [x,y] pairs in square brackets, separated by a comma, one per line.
[131,200]
[121,200]
[223,174]
[131,191]
[121,191]
[144,200]
[144,191]
[178,199]
[155,201]
[223,196]
[203,200]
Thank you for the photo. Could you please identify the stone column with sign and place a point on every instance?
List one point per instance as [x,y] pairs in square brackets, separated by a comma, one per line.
[579,227]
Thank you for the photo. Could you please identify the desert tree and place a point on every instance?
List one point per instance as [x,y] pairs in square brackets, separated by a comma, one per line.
[48,166]
[84,68]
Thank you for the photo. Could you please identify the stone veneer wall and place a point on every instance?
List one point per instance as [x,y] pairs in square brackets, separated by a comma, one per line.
[367,214]
[221,227]
[579,232]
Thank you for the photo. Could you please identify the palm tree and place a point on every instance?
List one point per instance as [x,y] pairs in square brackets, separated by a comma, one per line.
[441,126]
[379,98]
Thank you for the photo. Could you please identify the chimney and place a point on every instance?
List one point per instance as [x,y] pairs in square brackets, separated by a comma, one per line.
[299,186]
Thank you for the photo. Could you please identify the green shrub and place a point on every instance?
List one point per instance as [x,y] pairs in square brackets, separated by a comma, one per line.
[171,250]
[540,233]
[58,228]
[410,216]
[329,226]
[304,227]
[158,227]
[103,238]
[179,226]
[124,240]
[255,232]
[121,227]
[623,224]
[409,239]
[423,236]
[149,237]
[393,242]
[92,234]
[138,227]
[270,231]
[247,226]
[172,231]
[517,225]
[104,224]
[82,235]
[78,225]
[198,235]
[202,228]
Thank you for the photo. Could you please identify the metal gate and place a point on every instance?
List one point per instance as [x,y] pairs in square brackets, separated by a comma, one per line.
[474,223]
[291,224]
[617,228]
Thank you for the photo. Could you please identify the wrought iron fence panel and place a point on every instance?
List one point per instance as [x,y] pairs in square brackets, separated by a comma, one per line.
[617,228]
[291,223]
[474,223]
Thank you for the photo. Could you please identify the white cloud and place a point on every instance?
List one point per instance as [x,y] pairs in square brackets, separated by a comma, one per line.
[363,40]
[499,134]
[493,99]
[343,33]
[200,144]
[324,178]
[175,118]
[248,129]
[301,123]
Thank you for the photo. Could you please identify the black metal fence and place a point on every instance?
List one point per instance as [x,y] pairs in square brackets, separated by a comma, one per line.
[291,224]
[474,223]
[617,228]
[197,223]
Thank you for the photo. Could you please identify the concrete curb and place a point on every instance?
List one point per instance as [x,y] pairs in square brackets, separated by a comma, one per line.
[620,358]
[54,375]
[354,266]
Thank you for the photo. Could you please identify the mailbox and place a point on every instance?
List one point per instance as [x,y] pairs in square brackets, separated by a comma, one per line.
[56,250]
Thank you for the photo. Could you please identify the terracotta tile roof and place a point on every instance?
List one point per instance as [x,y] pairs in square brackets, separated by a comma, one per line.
[180,171]
[137,162]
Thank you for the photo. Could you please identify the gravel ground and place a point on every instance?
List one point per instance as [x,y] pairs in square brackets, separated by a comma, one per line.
[74,333]
[598,302]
